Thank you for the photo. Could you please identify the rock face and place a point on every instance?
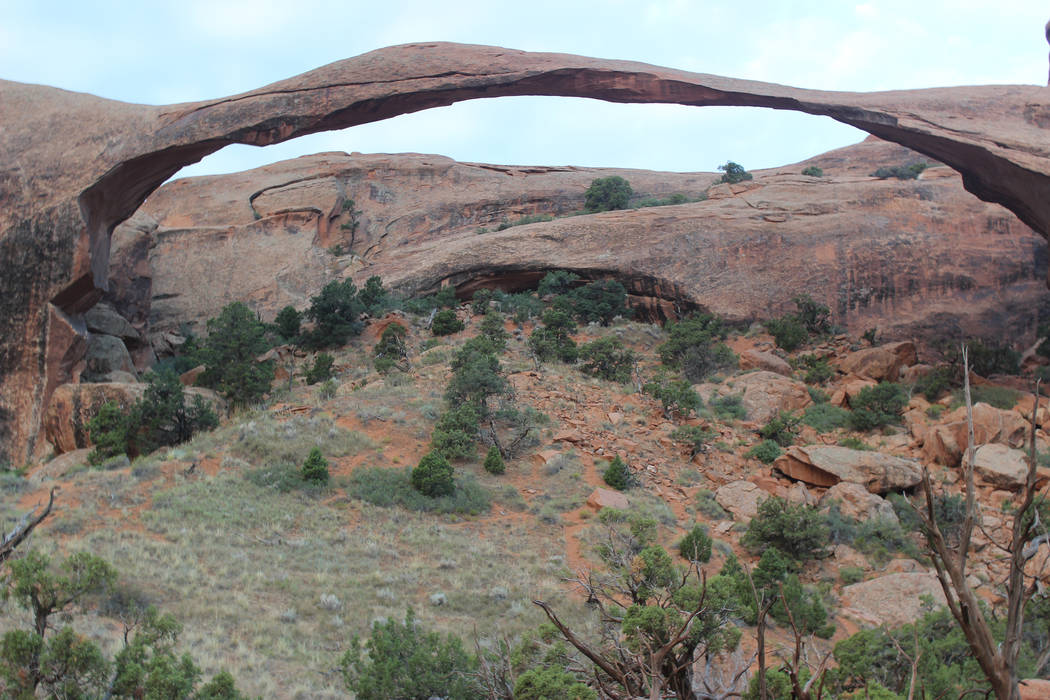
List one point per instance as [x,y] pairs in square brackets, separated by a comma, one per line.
[883,363]
[830,464]
[891,600]
[75,165]
[857,502]
[945,443]
[1001,466]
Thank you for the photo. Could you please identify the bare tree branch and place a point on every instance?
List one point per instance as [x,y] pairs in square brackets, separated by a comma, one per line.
[24,527]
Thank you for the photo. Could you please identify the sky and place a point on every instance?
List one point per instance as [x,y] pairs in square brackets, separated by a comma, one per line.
[159,52]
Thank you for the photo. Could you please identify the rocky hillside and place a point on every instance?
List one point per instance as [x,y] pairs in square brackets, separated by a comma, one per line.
[220,531]
[916,258]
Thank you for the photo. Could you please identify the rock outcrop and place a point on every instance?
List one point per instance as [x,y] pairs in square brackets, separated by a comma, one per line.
[76,165]
[827,465]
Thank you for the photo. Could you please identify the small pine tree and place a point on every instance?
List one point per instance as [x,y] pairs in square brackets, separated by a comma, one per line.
[433,476]
[288,323]
[315,468]
[696,545]
[494,461]
[618,475]
[446,323]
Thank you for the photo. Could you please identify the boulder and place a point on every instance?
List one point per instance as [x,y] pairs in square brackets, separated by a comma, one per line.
[849,388]
[1001,466]
[881,363]
[945,443]
[767,393]
[606,498]
[858,503]
[741,498]
[103,318]
[60,466]
[756,359]
[105,354]
[827,465]
[891,600]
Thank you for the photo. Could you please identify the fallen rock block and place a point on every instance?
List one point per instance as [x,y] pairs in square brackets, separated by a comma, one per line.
[827,465]
[891,600]
[606,498]
[741,498]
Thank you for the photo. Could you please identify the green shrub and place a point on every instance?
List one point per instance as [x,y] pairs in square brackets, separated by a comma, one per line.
[315,468]
[494,461]
[854,443]
[817,369]
[850,575]
[999,396]
[693,346]
[599,302]
[321,370]
[992,358]
[675,395]
[480,302]
[527,219]
[797,530]
[933,384]
[476,375]
[492,328]
[387,488]
[550,683]
[373,297]
[446,323]
[608,193]
[433,475]
[807,610]
[402,660]
[334,311]
[553,344]
[788,332]
[287,323]
[608,359]
[109,433]
[696,545]
[729,407]
[824,418]
[813,171]
[456,432]
[766,451]
[557,282]
[618,475]
[876,406]
[391,350]
[235,338]
[782,428]
[814,316]
[901,172]
[733,173]
[817,395]
[695,437]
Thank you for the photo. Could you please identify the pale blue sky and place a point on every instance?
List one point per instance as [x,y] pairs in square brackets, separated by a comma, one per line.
[162,52]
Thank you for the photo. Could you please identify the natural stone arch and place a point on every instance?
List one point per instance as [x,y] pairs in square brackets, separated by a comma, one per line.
[77,165]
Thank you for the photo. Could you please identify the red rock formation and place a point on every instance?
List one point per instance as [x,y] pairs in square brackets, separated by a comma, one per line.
[74,165]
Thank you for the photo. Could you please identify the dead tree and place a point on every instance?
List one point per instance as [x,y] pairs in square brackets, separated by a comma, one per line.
[24,527]
[997,662]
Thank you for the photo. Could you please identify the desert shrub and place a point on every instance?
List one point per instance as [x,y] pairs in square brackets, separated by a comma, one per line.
[788,332]
[701,361]
[675,395]
[733,173]
[607,193]
[696,545]
[287,323]
[479,303]
[806,607]
[315,468]
[328,389]
[492,328]
[708,506]
[521,307]
[456,432]
[373,296]
[817,369]
[334,311]
[949,509]
[109,432]
[782,428]
[797,530]
[402,660]
[824,417]
[854,443]
[391,348]
[933,384]
[693,346]
[527,219]
[729,407]
[876,406]
[618,475]
[387,488]
[608,359]
[549,683]
[433,475]
[476,375]
[273,444]
[901,172]
[235,338]
[553,340]
[851,574]
[599,302]
[446,323]
[557,282]
[494,461]
[676,198]
[814,316]
[813,171]
[999,396]
[321,370]
[695,437]
[445,298]
[766,451]
[987,359]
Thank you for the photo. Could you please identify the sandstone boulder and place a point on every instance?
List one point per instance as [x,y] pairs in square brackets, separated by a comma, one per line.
[891,600]
[105,354]
[741,498]
[103,318]
[1001,466]
[849,388]
[827,465]
[606,498]
[945,443]
[60,466]
[756,359]
[857,502]
[767,393]
[882,363]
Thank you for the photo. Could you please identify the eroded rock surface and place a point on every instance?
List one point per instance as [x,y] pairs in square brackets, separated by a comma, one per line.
[827,465]
[76,165]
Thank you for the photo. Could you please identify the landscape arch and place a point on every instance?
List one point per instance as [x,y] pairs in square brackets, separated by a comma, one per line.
[76,165]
